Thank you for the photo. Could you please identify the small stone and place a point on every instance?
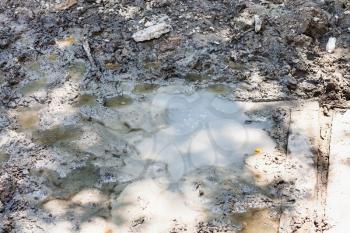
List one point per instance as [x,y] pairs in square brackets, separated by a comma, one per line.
[152,32]
[292,83]
[331,44]
[258,23]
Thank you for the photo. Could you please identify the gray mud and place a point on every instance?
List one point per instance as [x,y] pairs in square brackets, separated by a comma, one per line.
[79,98]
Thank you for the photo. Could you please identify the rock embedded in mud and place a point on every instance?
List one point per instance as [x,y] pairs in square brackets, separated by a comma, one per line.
[258,23]
[331,44]
[152,32]
[66,5]
[292,83]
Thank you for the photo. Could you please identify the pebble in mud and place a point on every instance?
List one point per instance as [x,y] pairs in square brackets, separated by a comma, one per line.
[258,23]
[152,32]
[331,44]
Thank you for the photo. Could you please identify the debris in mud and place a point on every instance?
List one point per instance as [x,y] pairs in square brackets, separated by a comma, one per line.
[258,150]
[258,23]
[66,5]
[87,50]
[152,32]
[64,43]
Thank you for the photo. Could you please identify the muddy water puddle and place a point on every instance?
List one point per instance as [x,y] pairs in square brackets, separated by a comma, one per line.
[187,151]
